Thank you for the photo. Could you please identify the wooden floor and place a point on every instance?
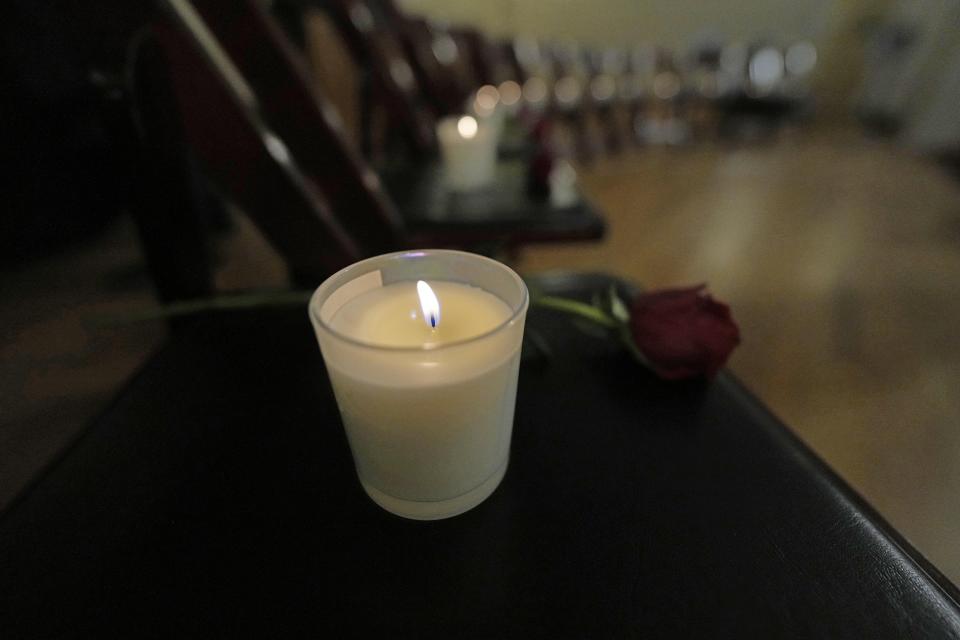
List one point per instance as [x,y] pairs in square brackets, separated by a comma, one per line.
[839,256]
[841,260]
[60,362]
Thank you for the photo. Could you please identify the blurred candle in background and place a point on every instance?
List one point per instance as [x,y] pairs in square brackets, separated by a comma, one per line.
[468,149]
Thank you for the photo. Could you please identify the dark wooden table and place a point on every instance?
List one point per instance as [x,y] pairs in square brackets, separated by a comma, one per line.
[217,498]
[503,211]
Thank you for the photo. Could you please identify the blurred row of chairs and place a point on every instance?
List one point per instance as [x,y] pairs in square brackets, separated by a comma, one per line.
[608,97]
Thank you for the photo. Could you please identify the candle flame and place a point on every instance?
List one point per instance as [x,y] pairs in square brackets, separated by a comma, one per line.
[467,126]
[429,304]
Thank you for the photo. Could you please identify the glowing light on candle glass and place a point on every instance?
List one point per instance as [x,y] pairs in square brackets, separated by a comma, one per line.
[567,90]
[666,85]
[467,126]
[487,99]
[766,69]
[534,90]
[603,87]
[429,304]
[509,92]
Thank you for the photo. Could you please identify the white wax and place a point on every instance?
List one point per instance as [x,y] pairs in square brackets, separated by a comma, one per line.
[391,316]
[426,426]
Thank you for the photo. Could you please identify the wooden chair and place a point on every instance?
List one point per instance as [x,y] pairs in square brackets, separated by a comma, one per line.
[393,81]
[636,86]
[490,65]
[186,95]
[303,118]
[605,67]
[270,141]
[572,104]
[439,56]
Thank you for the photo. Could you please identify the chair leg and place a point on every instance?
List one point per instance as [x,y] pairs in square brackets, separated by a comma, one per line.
[169,195]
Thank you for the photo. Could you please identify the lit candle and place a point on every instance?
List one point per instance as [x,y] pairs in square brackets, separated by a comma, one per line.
[469,152]
[424,370]
[489,109]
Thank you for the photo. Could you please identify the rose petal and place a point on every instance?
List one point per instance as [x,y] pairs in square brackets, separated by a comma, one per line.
[683,332]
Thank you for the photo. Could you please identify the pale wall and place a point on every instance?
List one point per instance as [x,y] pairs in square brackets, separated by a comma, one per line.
[673,23]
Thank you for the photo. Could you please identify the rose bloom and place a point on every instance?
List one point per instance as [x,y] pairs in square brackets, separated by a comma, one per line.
[683,333]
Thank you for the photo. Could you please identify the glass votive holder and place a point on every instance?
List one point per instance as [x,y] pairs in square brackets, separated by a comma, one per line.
[428,410]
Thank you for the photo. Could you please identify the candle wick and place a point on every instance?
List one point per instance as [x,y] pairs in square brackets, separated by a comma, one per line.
[433,321]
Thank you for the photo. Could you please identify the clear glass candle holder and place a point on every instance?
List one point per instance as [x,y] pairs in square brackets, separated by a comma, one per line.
[429,425]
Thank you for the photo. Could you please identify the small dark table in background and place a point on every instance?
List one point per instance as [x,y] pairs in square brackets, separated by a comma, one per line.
[217,498]
[504,211]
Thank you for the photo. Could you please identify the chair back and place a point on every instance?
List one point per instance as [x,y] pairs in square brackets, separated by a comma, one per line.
[378,49]
[302,116]
[224,126]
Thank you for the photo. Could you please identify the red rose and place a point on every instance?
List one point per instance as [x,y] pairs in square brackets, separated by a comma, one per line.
[683,332]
